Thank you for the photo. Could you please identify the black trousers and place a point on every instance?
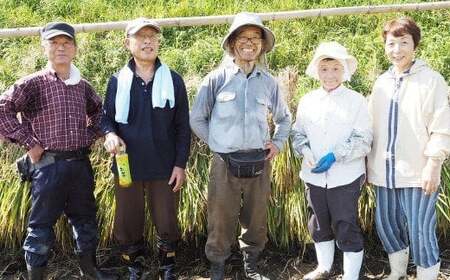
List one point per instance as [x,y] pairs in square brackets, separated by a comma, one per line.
[335,215]
[66,186]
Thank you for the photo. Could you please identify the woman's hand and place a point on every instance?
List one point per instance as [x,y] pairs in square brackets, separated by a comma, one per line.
[431,176]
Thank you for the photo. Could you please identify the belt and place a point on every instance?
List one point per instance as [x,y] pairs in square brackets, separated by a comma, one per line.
[81,153]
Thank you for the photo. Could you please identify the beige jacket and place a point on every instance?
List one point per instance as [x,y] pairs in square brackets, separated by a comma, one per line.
[410,115]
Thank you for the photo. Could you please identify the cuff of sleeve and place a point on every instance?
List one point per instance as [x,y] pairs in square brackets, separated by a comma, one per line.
[305,150]
[338,154]
[278,144]
[437,147]
[105,130]
[30,142]
[180,163]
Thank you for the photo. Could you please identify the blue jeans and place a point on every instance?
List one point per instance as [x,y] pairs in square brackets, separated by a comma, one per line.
[65,186]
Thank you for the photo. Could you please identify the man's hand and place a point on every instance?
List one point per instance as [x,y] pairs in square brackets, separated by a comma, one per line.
[431,176]
[177,178]
[113,143]
[273,150]
[35,153]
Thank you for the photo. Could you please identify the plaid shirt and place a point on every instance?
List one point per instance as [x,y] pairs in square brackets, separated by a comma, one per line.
[52,114]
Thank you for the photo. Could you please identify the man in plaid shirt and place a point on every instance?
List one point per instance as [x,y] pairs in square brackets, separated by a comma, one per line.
[59,118]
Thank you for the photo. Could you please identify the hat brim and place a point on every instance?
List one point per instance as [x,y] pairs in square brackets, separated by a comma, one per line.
[269,38]
[138,27]
[52,34]
[312,69]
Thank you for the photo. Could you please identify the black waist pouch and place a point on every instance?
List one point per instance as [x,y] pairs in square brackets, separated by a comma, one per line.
[245,164]
[24,167]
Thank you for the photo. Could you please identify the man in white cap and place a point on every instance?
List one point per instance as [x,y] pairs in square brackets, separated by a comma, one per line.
[146,112]
[230,114]
[60,115]
[333,134]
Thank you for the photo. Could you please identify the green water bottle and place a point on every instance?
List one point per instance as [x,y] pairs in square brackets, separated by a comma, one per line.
[123,168]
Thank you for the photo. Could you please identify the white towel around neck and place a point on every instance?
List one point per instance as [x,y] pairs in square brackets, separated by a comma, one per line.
[162,91]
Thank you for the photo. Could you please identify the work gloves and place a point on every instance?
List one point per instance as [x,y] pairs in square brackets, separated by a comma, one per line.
[324,163]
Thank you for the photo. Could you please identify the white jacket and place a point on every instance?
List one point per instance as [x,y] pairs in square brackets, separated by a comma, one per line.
[336,122]
[411,121]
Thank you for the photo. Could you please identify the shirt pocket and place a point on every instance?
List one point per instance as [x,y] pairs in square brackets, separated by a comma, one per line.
[261,109]
[225,106]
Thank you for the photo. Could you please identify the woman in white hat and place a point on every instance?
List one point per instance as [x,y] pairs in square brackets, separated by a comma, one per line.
[410,111]
[332,132]
[230,114]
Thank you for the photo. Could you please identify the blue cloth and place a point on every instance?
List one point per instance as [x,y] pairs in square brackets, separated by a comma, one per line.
[162,91]
[157,138]
[62,187]
[407,217]
[324,163]
[392,135]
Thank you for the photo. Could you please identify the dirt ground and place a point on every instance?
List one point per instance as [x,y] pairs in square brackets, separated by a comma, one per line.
[192,264]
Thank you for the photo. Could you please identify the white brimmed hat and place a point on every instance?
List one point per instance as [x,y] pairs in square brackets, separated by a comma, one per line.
[249,19]
[336,51]
[139,23]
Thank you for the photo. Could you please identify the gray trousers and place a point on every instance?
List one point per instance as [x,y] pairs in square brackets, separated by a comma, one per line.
[335,215]
[232,200]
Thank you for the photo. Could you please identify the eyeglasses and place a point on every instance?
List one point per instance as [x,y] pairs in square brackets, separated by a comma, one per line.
[254,40]
[152,38]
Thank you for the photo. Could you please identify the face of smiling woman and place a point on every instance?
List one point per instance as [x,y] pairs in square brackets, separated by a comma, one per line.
[247,46]
[144,44]
[331,73]
[400,51]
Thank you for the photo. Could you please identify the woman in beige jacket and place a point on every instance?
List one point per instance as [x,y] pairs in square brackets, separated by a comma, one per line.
[410,112]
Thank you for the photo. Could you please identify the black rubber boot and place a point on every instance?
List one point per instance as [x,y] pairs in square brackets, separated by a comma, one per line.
[167,250]
[89,270]
[36,273]
[217,270]
[167,265]
[251,267]
[135,262]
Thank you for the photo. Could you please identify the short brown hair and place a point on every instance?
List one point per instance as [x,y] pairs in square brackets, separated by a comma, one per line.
[402,26]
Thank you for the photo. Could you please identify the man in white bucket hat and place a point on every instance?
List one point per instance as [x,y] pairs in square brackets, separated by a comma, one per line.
[332,132]
[230,114]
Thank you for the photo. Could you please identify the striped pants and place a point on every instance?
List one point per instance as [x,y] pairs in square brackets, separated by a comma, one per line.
[406,216]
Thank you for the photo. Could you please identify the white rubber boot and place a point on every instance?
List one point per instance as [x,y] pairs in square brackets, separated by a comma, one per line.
[325,257]
[352,265]
[398,262]
[429,273]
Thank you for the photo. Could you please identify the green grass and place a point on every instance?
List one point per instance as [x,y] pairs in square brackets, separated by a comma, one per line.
[193,52]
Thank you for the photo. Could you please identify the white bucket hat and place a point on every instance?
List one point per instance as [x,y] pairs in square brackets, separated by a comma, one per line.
[336,51]
[249,19]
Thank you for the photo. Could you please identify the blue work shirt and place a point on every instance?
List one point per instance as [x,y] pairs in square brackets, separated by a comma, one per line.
[231,110]
[157,139]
